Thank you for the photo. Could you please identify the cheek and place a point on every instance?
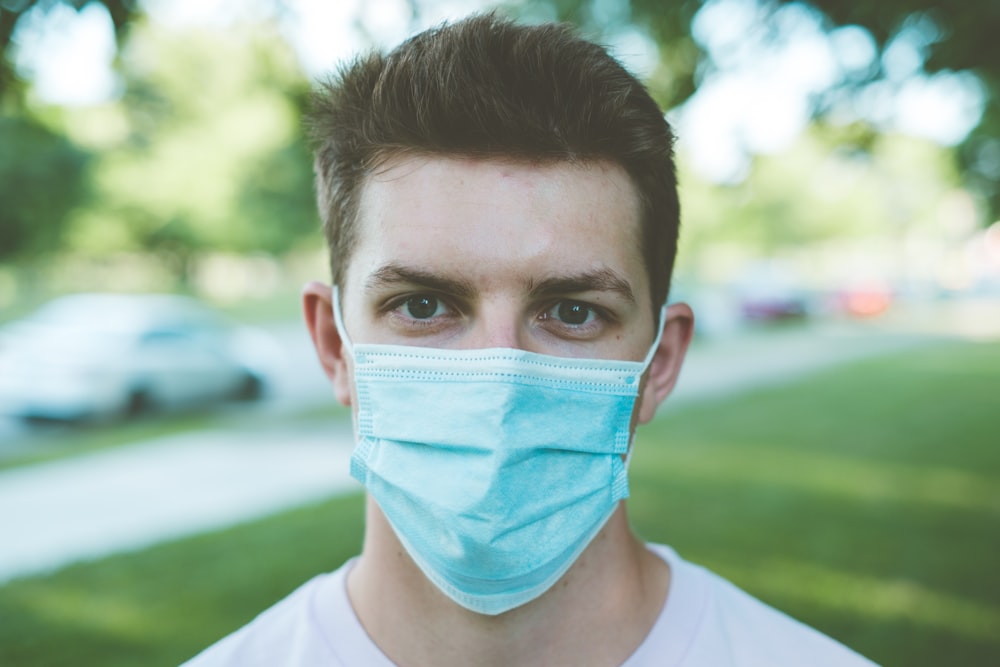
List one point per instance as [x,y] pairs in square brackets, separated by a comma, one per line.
[343,383]
[347,396]
[354,417]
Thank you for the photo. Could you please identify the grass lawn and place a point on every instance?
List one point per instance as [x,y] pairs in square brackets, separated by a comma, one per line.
[865,501]
[65,441]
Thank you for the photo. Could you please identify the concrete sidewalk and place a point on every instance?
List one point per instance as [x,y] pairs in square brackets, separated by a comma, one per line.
[90,506]
[719,367]
[80,508]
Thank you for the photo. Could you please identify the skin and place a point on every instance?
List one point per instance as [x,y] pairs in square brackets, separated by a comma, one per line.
[462,254]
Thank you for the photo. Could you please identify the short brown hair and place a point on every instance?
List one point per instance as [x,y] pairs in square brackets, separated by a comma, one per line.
[490,88]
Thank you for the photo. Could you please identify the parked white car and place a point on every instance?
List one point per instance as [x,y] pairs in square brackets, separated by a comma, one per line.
[105,355]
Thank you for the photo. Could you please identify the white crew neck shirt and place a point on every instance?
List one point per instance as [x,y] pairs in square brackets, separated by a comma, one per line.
[705,622]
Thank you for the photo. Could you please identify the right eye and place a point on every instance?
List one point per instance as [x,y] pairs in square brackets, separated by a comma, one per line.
[422,306]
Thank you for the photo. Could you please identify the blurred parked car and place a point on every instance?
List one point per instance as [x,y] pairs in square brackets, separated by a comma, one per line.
[106,355]
[864,300]
[769,308]
[768,292]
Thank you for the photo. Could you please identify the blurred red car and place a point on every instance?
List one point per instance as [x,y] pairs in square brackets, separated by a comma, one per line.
[864,301]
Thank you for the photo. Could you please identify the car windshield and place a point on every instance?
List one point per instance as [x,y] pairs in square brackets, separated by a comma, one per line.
[120,313]
[85,324]
[85,317]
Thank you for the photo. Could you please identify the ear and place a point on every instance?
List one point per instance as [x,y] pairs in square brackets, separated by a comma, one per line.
[678,327]
[317,306]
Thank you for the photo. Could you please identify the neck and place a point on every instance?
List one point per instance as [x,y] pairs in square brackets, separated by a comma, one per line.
[597,614]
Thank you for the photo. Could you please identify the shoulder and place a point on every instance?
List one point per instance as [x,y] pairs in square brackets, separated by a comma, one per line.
[709,621]
[285,634]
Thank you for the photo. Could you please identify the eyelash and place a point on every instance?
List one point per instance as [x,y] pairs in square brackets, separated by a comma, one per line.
[601,317]
[394,304]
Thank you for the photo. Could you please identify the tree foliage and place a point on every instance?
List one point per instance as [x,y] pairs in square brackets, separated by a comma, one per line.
[959,38]
[42,178]
[212,157]
[123,13]
[893,192]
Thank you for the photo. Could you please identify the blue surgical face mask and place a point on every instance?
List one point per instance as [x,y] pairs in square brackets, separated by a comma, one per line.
[495,467]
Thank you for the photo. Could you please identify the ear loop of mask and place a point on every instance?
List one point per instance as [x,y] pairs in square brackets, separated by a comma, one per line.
[338,320]
[661,322]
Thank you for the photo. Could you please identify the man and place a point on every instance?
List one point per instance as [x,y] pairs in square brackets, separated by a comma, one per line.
[501,209]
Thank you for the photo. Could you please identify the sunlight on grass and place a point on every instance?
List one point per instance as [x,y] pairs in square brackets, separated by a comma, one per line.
[863,500]
[873,598]
[101,612]
[856,479]
[160,606]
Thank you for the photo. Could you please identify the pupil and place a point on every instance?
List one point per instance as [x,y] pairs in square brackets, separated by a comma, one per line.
[573,313]
[422,307]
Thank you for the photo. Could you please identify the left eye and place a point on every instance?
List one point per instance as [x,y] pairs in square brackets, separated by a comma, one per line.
[573,313]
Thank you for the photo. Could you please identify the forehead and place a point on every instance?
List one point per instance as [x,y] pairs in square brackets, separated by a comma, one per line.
[487,217]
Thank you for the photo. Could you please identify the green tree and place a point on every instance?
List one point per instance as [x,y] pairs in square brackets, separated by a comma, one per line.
[959,37]
[881,195]
[123,13]
[213,158]
[955,39]
[42,178]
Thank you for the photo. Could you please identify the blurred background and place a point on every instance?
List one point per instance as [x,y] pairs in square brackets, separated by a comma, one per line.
[840,186]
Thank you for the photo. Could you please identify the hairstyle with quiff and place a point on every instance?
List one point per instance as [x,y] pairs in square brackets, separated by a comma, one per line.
[487,87]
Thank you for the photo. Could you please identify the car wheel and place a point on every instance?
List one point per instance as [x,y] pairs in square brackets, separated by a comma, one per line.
[139,403]
[250,389]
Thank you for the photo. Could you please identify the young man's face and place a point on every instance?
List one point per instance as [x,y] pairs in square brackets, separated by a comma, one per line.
[460,253]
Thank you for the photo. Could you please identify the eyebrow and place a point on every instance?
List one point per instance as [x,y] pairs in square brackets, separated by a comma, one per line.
[394,275]
[599,280]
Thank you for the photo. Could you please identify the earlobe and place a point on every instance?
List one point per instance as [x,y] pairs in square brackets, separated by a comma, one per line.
[317,307]
[678,327]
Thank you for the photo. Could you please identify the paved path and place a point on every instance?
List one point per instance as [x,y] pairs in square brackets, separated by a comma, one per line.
[89,506]
[717,368]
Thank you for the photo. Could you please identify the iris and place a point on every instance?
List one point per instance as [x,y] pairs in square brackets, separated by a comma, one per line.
[421,307]
[573,312]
